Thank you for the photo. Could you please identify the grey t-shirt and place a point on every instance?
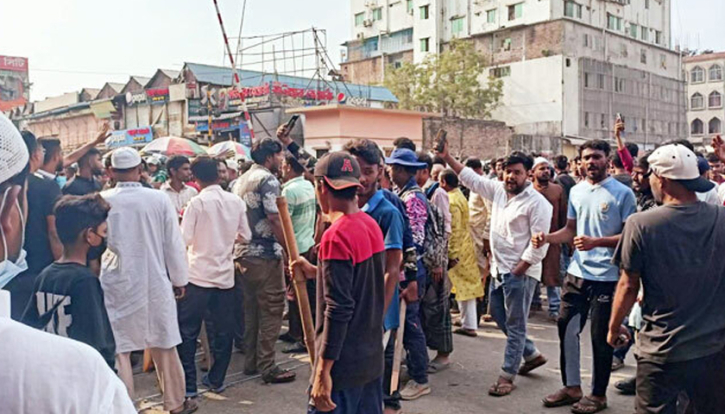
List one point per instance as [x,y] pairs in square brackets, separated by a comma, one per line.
[679,253]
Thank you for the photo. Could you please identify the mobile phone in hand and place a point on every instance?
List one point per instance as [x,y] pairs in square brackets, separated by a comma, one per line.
[291,123]
[441,140]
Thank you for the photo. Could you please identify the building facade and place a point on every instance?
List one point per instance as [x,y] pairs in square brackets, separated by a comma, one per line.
[705,90]
[568,67]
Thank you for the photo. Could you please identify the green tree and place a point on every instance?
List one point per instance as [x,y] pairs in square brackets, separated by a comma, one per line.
[453,83]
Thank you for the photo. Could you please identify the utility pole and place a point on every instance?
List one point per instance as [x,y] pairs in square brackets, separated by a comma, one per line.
[209,112]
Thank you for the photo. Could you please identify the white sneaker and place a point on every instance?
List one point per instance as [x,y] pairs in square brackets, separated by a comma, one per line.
[413,390]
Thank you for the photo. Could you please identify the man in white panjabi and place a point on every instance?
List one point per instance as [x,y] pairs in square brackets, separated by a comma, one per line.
[144,264]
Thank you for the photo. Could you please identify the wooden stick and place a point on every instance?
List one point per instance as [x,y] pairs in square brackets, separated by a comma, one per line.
[398,353]
[299,279]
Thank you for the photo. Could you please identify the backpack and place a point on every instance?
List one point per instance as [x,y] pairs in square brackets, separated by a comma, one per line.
[435,248]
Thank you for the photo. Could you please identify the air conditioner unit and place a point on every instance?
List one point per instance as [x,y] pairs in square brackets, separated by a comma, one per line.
[367,23]
[361,35]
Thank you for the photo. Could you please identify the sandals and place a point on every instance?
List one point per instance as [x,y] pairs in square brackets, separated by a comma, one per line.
[501,389]
[435,367]
[588,406]
[560,399]
[529,366]
[279,376]
[466,332]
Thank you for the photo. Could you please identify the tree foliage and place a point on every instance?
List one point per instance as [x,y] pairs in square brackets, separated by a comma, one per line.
[453,83]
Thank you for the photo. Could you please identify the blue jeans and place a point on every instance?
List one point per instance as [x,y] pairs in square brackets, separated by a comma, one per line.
[553,293]
[366,399]
[510,304]
[414,340]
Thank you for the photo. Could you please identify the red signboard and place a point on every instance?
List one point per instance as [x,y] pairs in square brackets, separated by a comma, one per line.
[13,82]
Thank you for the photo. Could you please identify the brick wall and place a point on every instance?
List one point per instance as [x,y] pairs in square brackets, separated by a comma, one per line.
[369,71]
[470,137]
[531,42]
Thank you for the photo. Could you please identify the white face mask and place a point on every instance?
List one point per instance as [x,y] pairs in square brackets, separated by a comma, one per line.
[8,269]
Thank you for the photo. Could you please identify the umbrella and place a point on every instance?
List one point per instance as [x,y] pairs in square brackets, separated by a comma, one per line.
[229,149]
[170,146]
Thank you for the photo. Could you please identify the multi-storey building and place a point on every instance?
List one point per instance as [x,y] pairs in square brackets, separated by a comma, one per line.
[705,90]
[568,67]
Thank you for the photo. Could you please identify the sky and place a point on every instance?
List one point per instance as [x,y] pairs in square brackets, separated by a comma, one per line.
[74,44]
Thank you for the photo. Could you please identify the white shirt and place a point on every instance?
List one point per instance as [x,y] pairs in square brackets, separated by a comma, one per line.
[513,222]
[711,197]
[180,199]
[721,193]
[45,373]
[145,257]
[211,223]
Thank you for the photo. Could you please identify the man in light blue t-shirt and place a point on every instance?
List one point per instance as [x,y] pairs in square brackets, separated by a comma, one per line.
[598,208]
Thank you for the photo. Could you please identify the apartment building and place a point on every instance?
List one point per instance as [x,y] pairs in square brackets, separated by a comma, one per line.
[568,67]
[705,90]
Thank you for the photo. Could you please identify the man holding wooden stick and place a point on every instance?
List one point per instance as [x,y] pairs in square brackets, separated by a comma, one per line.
[347,376]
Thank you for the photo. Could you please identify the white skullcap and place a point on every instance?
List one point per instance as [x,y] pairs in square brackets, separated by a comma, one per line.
[540,160]
[13,151]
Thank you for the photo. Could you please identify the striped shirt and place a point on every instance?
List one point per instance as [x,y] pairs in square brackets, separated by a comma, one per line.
[300,195]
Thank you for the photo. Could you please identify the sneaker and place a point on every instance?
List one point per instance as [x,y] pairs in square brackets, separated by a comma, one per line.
[217,390]
[627,387]
[617,364]
[413,390]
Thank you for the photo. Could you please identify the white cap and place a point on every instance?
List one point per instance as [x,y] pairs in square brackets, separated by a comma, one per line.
[153,160]
[677,162]
[231,164]
[125,158]
[13,151]
[540,160]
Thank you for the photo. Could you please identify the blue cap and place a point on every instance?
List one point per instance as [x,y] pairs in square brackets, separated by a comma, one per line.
[702,165]
[404,157]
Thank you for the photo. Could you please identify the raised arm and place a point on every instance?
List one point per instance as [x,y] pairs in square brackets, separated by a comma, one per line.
[74,156]
[483,186]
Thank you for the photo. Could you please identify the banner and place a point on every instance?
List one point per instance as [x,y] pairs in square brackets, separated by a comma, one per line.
[13,82]
[127,137]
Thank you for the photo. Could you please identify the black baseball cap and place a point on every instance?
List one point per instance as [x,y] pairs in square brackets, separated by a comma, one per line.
[339,169]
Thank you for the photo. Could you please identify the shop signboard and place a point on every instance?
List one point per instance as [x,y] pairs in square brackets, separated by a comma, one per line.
[13,82]
[157,96]
[127,137]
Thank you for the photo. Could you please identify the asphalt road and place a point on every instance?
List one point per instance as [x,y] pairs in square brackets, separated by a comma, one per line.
[462,389]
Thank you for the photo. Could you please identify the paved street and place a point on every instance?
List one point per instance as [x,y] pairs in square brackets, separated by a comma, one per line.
[462,389]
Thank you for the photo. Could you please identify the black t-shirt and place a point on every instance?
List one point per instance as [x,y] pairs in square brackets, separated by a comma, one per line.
[678,251]
[625,179]
[80,186]
[42,195]
[566,181]
[68,301]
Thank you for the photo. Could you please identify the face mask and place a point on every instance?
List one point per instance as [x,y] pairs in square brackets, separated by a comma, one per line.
[61,180]
[8,269]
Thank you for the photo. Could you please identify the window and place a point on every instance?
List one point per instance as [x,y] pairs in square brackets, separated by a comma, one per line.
[378,13]
[602,122]
[397,65]
[516,11]
[714,126]
[696,127]
[714,100]
[457,25]
[715,73]
[587,80]
[506,43]
[425,44]
[618,85]
[697,75]
[572,9]
[658,37]
[600,81]
[614,22]
[697,101]
[633,28]
[586,40]
[409,6]
[663,61]
[645,34]
[586,119]
[643,56]
[623,50]
[501,72]
[491,16]
[424,12]
[646,4]
[359,19]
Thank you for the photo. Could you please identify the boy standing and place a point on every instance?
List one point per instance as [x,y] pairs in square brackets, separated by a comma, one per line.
[347,376]
[67,298]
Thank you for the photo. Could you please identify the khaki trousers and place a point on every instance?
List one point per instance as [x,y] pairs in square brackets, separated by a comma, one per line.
[169,369]
[263,308]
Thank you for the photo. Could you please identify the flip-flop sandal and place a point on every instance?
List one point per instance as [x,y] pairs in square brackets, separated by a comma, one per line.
[435,367]
[465,332]
[279,376]
[588,406]
[529,366]
[565,400]
[501,389]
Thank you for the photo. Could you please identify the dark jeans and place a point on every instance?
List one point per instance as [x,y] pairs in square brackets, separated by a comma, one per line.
[659,385]
[191,310]
[413,338]
[622,352]
[238,310]
[579,297]
[435,314]
[367,399]
[390,400]
[295,320]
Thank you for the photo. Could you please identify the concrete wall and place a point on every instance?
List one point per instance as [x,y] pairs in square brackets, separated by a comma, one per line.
[73,129]
[469,137]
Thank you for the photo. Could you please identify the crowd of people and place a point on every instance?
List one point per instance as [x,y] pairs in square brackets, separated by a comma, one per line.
[121,254]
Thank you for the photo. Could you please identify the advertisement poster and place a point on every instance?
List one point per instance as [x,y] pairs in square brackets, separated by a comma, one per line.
[13,82]
[127,137]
